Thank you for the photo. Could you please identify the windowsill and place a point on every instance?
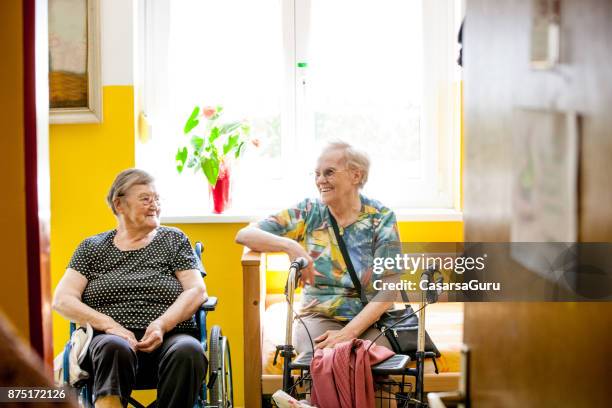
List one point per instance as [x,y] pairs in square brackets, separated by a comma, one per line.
[409,214]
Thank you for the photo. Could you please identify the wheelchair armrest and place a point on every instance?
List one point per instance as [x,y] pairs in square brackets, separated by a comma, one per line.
[210,304]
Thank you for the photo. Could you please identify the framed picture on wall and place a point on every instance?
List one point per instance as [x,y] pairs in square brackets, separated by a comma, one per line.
[75,94]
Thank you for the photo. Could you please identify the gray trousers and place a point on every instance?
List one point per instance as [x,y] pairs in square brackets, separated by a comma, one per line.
[176,368]
[318,324]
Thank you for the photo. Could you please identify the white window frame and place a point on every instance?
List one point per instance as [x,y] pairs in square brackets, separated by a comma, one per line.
[440,146]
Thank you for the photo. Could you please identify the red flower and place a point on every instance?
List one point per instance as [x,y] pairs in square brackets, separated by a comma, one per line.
[208,112]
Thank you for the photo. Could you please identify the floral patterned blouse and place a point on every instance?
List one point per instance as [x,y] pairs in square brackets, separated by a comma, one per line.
[373,234]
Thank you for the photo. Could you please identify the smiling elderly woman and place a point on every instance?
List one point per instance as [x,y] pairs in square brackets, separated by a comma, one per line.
[139,286]
[331,307]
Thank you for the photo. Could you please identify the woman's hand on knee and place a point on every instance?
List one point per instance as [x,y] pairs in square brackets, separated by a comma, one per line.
[124,333]
[332,337]
[153,337]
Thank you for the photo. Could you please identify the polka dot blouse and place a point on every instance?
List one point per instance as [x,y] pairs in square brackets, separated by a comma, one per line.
[135,287]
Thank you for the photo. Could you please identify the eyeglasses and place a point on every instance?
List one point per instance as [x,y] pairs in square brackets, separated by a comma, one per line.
[328,174]
[147,200]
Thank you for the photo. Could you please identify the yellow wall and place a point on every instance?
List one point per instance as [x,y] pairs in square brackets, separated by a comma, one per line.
[427,231]
[14,288]
[84,161]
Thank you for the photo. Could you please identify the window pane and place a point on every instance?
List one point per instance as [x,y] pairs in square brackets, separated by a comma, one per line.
[365,83]
[233,58]
[367,66]
[226,53]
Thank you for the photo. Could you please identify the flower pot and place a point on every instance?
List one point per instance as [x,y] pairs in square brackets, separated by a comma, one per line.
[220,192]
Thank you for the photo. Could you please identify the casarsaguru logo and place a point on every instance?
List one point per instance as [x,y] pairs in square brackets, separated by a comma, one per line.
[472,285]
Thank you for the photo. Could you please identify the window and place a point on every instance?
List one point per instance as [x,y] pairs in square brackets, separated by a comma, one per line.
[380,75]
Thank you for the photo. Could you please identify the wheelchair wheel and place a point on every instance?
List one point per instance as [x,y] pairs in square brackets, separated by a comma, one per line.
[220,369]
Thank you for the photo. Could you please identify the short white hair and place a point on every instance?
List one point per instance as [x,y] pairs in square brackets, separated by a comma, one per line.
[124,181]
[354,158]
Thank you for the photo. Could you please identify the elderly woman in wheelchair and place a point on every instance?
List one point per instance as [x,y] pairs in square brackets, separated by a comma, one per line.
[138,286]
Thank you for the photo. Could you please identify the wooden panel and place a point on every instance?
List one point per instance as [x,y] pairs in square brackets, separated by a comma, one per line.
[13,244]
[253,304]
[539,354]
[536,354]
[498,78]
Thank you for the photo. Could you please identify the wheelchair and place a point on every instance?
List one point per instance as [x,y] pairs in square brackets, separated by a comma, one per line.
[391,376]
[217,390]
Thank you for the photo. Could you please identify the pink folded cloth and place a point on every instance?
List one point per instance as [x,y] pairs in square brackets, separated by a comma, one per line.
[342,376]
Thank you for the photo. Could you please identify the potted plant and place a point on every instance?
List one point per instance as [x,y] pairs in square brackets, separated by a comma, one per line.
[213,143]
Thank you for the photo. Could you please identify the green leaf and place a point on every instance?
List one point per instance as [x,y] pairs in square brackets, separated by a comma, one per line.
[192,121]
[194,163]
[232,141]
[239,149]
[181,157]
[197,142]
[229,127]
[212,151]
[210,167]
[214,134]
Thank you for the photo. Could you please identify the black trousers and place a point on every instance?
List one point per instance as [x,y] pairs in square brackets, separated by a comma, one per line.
[176,368]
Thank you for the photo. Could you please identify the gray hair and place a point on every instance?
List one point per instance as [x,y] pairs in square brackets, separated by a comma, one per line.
[355,158]
[123,182]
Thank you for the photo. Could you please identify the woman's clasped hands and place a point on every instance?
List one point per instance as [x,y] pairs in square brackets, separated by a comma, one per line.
[151,340]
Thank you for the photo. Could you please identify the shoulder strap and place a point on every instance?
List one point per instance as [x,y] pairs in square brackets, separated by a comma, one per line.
[351,269]
[347,259]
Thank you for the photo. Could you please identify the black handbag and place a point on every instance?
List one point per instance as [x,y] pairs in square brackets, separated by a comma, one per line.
[400,326]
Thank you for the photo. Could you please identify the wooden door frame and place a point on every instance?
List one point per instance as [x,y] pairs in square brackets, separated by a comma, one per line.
[37,231]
